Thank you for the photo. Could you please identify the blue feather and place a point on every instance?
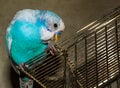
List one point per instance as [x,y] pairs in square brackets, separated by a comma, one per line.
[27,42]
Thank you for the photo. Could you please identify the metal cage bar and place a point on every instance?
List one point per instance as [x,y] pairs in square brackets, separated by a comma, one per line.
[96,62]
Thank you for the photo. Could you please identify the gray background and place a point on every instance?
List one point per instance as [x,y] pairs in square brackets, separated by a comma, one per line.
[75,13]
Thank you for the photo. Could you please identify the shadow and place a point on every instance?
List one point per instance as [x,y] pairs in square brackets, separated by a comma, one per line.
[14,77]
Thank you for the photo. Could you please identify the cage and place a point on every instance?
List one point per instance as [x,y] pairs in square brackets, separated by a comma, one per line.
[90,59]
[93,54]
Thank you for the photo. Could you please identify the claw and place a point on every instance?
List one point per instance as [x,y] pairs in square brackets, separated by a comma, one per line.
[22,66]
[52,48]
[51,52]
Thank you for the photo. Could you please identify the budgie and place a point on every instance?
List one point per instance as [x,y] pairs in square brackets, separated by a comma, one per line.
[29,33]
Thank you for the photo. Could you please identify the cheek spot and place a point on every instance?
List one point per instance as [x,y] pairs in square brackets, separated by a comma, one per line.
[49,30]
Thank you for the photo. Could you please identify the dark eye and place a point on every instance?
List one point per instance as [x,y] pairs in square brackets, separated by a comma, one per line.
[55,25]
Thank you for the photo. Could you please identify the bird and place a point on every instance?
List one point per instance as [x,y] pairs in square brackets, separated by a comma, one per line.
[30,32]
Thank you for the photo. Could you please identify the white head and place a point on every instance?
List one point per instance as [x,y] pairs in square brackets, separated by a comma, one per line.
[53,25]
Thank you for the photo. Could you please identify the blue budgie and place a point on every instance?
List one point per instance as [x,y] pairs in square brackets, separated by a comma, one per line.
[29,32]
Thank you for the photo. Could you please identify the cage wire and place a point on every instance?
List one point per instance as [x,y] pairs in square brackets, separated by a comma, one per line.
[90,59]
[93,56]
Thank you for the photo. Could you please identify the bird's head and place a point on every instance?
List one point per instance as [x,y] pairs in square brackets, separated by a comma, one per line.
[53,26]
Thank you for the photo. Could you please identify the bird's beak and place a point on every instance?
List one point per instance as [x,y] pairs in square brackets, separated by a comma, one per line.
[58,35]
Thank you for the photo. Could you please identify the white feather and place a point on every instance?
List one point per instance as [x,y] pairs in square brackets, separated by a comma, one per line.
[46,35]
[62,26]
[9,43]
[8,30]
[27,15]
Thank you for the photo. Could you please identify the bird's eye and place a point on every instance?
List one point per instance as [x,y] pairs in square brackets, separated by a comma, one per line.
[55,25]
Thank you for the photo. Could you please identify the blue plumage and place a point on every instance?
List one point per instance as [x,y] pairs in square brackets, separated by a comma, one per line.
[27,32]
[27,43]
